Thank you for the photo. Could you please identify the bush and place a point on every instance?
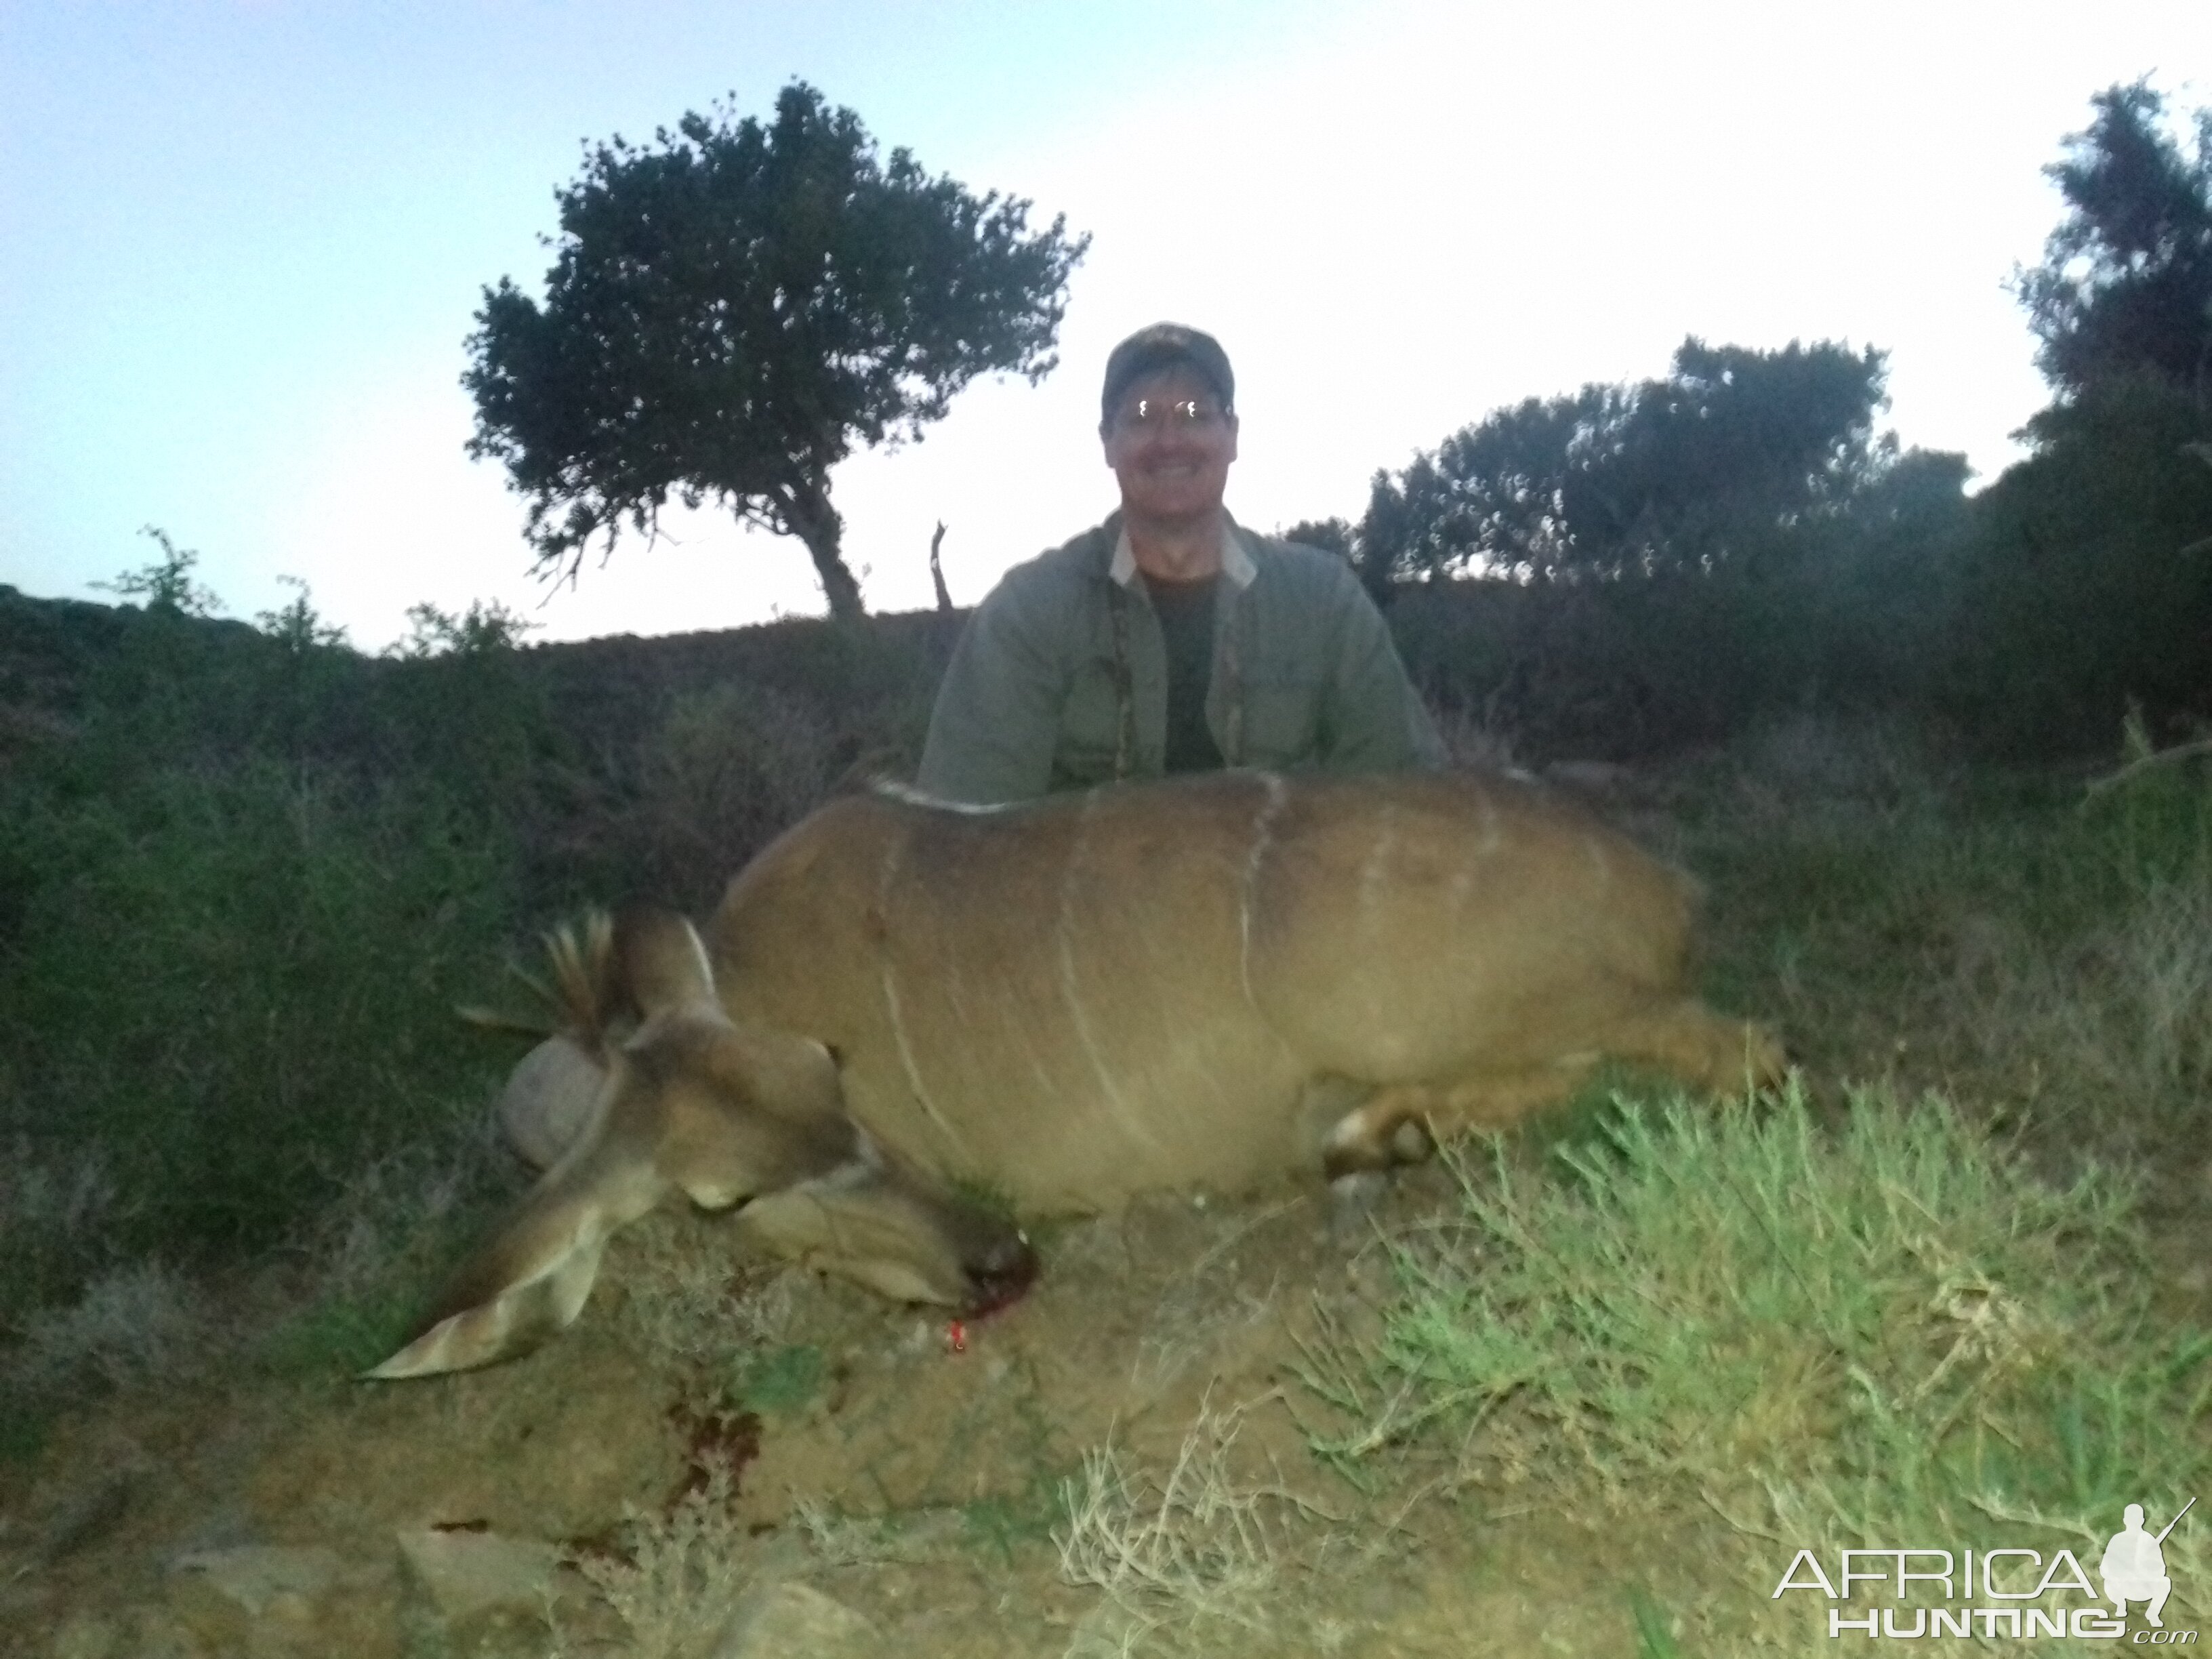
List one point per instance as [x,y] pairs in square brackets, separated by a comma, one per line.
[237,981]
[724,771]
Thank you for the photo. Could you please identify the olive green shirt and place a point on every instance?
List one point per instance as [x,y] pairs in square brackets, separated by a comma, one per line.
[1060,680]
[1185,611]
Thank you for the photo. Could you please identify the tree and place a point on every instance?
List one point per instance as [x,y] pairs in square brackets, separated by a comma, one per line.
[166,585]
[2125,285]
[2090,572]
[1332,535]
[1684,473]
[733,307]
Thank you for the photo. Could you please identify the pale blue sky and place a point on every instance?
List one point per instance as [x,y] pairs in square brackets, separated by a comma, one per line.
[240,245]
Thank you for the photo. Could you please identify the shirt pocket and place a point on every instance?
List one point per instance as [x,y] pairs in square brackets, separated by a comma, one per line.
[1282,717]
[1089,735]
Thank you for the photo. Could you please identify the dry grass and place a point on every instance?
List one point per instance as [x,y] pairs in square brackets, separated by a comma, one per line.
[1804,759]
[725,771]
[360,1272]
[77,1316]
[2041,955]
[694,1297]
[1475,741]
[349,1247]
[675,1583]
[2119,1014]
[838,1540]
[349,1280]
[58,1218]
[1185,1558]
[141,1325]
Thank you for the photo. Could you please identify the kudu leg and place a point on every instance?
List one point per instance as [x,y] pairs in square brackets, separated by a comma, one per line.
[1399,1123]
[1688,1041]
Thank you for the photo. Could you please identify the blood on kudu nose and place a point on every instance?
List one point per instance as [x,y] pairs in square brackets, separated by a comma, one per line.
[1002,1277]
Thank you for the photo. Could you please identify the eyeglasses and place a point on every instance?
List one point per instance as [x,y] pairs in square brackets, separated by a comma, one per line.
[1171,415]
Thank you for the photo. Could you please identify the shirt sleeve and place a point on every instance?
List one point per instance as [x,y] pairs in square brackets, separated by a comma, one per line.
[997,718]
[1374,720]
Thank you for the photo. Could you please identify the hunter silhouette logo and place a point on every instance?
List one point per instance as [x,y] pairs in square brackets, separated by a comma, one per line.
[2134,1567]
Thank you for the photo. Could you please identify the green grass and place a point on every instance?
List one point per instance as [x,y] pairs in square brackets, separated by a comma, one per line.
[24,1428]
[783,1381]
[1883,1332]
[342,1334]
[1653,1640]
[1002,1523]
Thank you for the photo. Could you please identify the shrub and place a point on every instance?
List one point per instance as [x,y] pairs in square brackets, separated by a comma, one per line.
[237,982]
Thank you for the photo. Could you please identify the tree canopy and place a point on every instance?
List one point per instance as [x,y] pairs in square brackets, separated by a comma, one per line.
[2125,285]
[736,305]
[1615,480]
[2090,576]
[1333,535]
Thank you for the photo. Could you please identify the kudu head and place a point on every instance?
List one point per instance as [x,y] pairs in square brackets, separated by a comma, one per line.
[688,1101]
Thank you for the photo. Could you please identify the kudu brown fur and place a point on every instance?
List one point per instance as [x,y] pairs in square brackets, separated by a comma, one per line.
[1212,982]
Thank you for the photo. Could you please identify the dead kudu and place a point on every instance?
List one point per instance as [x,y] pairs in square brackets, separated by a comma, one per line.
[1215,982]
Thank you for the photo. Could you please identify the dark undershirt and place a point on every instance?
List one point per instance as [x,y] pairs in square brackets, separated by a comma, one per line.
[1185,614]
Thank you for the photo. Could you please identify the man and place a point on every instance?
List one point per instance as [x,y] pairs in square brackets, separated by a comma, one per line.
[1169,639]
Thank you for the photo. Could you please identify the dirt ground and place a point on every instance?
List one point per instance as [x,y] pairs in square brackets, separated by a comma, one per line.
[916,1482]
[921,1485]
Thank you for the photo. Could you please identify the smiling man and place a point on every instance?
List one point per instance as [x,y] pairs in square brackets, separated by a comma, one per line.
[1169,639]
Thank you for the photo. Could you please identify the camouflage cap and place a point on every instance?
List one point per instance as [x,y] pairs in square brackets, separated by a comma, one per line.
[1162,346]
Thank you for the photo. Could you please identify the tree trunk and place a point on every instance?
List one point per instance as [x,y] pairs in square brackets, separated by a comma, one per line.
[937,572]
[815,522]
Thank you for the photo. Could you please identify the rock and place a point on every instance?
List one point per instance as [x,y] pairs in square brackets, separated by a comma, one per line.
[468,1576]
[794,1621]
[222,1594]
[257,1578]
[154,1632]
[86,1635]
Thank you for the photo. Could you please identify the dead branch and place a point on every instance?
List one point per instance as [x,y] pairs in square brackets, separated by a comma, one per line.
[937,570]
[2180,752]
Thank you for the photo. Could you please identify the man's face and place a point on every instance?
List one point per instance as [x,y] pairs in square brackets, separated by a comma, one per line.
[1170,442]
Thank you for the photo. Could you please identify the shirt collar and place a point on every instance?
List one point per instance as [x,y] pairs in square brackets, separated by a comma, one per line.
[1235,562]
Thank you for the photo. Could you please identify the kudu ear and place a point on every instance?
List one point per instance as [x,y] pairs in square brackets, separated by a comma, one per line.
[661,963]
[530,1282]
